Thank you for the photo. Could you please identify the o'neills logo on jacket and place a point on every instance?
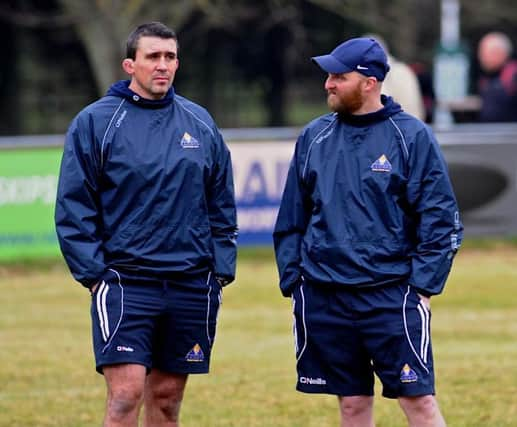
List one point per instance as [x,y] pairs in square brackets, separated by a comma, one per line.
[122,117]
[189,141]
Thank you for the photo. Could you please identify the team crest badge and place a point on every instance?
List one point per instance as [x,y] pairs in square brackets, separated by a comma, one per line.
[407,375]
[188,141]
[382,164]
[195,354]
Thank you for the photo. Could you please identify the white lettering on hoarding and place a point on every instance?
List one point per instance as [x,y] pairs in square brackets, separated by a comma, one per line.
[27,190]
[254,220]
[260,170]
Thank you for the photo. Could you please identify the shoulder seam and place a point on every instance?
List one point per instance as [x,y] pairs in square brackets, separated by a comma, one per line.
[107,130]
[195,116]
[405,149]
[317,139]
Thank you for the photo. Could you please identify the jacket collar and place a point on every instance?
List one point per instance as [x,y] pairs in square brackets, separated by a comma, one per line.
[390,108]
[121,89]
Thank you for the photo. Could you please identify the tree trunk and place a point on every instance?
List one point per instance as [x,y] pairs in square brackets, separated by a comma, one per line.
[104,52]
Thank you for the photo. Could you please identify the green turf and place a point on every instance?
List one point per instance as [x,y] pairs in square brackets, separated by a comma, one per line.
[46,364]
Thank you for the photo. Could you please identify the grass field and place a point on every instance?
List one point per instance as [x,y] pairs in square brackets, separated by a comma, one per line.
[46,364]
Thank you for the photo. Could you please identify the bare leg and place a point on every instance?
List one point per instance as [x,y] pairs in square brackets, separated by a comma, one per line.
[125,385]
[422,411]
[356,411]
[162,398]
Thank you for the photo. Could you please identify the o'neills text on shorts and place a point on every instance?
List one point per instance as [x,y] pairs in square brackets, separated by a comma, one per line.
[312,381]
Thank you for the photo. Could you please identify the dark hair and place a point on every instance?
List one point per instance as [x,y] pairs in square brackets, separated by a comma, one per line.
[151,29]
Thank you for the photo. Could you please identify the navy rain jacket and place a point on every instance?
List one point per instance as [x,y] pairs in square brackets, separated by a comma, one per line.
[367,202]
[145,188]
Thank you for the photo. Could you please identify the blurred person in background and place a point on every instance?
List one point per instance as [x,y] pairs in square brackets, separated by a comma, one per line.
[498,83]
[366,234]
[401,83]
[425,81]
[146,220]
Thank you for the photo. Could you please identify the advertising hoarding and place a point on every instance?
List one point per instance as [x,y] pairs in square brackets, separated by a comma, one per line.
[482,161]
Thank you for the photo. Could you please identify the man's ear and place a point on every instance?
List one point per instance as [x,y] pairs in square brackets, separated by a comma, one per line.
[371,83]
[128,65]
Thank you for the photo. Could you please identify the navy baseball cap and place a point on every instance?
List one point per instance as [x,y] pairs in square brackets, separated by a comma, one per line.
[364,55]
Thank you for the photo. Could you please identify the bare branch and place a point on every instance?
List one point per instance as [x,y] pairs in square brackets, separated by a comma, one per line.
[34,20]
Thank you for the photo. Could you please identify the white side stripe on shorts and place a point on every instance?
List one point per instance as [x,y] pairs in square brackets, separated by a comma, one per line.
[105,309]
[208,308]
[304,325]
[295,332]
[101,310]
[424,340]
[408,337]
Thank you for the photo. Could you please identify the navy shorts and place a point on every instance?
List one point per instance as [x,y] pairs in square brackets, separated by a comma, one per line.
[343,337]
[158,324]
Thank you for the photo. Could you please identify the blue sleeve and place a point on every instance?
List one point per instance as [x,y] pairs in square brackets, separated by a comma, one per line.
[222,213]
[77,205]
[439,230]
[291,224]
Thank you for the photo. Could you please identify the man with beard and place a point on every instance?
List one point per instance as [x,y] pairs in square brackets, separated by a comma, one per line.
[366,233]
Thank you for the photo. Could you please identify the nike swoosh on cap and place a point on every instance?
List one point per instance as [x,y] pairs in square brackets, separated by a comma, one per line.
[360,67]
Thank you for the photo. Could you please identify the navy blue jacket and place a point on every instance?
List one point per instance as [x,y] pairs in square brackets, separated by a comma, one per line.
[367,202]
[145,188]
[498,93]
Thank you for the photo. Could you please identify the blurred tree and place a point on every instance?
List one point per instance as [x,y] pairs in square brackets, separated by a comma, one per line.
[103,26]
[45,76]
[268,53]
[235,55]
[398,24]
[7,75]
[495,13]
